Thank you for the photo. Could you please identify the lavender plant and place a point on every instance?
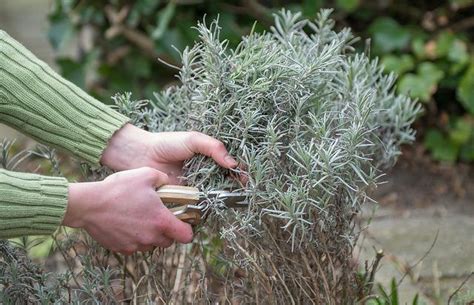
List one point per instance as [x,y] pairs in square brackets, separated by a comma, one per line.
[314,124]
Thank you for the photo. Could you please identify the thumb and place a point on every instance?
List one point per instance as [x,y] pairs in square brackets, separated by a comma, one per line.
[154,177]
[176,229]
[208,146]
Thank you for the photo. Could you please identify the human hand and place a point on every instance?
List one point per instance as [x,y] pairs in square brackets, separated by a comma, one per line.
[132,147]
[124,213]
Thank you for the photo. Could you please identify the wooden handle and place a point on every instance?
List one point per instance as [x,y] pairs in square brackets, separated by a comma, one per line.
[178,194]
[192,217]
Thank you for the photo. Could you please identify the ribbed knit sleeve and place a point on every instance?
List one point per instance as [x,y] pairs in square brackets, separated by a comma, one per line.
[31,204]
[39,102]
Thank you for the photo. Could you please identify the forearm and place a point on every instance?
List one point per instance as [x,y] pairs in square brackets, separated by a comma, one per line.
[37,101]
[31,204]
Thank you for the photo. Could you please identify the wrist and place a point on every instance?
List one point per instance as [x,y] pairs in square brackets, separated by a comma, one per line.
[82,197]
[126,149]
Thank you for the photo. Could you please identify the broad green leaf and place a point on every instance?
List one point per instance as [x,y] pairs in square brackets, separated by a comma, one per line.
[444,43]
[461,132]
[398,64]
[60,32]
[118,80]
[72,71]
[465,91]
[447,153]
[388,35]
[423,84]
[348,5]
[163,20]
[138,65]
[430,72]
[441,148]
[76,71]
[458,52]
[414,86]
[140,10]
[230,28]
[454,49]
[92,15]
[467,150]
[311,7]
[58,7]
[174,39]
[418,47]
[433,139]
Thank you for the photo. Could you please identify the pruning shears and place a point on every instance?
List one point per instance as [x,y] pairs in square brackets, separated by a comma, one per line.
[190,205]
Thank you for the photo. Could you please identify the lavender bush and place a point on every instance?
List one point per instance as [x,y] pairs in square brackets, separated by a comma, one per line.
[314,124]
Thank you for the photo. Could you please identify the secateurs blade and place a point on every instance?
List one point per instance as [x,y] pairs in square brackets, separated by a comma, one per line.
[190,204]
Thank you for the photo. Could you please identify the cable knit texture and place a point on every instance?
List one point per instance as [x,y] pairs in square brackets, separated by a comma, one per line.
[31,204]
[40,103]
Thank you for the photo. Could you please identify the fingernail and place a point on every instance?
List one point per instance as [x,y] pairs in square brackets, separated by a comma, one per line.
[230,161]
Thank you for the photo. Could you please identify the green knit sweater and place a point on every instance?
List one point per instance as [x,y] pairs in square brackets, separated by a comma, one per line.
[40,103]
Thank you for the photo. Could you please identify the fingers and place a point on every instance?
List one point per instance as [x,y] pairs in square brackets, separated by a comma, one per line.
[174,228]
[169,227]
[158,241]
[211,147]
[147,244]
[240,173]
[153,176]
[208,146]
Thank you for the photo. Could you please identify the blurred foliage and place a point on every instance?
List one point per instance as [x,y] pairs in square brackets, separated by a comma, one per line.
[385,296]
[427,43]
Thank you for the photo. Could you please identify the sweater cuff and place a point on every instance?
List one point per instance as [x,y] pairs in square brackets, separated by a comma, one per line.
[101,128]
[31,204]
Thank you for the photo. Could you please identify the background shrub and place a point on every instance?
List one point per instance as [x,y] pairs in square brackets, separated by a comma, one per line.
[428,43]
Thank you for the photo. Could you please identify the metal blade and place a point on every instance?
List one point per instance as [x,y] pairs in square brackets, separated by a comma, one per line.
[234,199]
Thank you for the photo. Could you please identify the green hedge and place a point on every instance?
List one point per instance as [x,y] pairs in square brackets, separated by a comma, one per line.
[429,44]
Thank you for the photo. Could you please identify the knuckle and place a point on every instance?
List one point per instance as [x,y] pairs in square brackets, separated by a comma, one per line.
[148,170]
[146,239]
[154,173]
[162,177]
[219,145]
[162,224]
[166,243]
[190,137]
